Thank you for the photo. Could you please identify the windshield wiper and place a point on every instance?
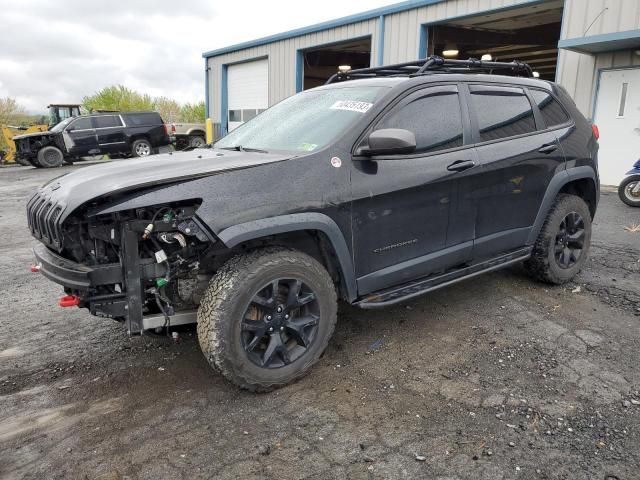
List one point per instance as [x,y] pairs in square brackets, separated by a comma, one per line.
[240,148]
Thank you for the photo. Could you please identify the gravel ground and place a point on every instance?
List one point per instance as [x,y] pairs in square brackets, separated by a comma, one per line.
[494,378]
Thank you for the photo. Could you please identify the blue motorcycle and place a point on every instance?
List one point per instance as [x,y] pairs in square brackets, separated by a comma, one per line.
[629,189]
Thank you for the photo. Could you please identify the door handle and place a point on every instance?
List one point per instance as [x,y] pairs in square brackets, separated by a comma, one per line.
[549,148]
[460,165]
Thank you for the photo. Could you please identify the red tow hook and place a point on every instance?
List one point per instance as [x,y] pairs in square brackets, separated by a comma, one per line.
[69,301]
[35,268]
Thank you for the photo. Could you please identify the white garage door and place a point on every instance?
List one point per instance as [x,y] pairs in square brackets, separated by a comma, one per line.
[618,118]
[248,91]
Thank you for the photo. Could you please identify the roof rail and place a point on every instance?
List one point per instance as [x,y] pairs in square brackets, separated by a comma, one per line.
[431,65]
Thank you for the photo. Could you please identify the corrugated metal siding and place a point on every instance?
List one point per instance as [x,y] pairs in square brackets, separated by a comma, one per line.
[402,30]
[577,72]
[282,60]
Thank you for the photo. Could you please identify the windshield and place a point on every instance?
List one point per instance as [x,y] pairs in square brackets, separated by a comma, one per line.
[60,126]
[305,122]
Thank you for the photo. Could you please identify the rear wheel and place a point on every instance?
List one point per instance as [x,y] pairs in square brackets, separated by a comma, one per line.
[141,148]
[196,141]
[49,157]
[629,191]
[267,317]
[563,243]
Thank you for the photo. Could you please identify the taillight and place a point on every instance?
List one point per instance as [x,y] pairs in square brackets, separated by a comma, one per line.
[596,131]
[173,128]
[166,130]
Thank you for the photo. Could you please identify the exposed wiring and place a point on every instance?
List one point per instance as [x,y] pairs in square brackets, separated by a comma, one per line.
[594,20]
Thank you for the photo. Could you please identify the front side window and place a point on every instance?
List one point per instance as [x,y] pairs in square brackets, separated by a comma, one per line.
[502,112]
[107,121]
[81,124]
[305,122]
[552,113]
[433,116]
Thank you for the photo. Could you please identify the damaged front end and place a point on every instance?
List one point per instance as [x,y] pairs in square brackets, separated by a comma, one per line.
[147,267]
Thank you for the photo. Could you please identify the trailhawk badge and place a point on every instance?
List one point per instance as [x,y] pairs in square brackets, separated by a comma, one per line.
[336,162]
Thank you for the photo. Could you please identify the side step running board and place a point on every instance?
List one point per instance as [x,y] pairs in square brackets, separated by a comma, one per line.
[406,291]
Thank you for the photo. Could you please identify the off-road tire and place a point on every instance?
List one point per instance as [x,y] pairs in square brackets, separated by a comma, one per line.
[542,264]
[141,144]
[49,157]
[225,302]
[622,191]
[196,141]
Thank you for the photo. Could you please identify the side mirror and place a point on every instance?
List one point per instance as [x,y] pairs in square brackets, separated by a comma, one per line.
[390,141]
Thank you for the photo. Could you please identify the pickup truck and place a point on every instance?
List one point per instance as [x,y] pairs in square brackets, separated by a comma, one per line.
[188,135]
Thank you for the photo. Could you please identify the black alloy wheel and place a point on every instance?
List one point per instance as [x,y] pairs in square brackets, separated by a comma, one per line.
[569,240]
[280,323]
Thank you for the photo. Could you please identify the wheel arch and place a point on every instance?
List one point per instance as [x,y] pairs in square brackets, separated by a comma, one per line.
[331,243]
[580,181]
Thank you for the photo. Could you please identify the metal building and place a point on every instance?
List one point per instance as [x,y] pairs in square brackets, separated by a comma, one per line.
[591,47]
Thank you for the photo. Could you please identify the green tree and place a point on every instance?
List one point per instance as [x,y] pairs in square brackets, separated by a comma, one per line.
[169,109]
[9,110]
[193,112]
[120,98]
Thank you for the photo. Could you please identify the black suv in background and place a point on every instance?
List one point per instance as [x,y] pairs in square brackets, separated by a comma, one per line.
[137,134]
[384,184]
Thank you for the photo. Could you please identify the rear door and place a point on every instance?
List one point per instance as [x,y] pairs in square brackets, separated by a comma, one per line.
[518,157]
[402,204]
[80,137]
[110,133]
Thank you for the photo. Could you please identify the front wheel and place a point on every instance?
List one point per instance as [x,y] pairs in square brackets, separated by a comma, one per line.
[563,243]
[196,141]
[49,157]
[141,148]
[629,191]
[266,317]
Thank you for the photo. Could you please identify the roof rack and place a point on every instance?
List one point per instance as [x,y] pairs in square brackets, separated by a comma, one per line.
[431,65]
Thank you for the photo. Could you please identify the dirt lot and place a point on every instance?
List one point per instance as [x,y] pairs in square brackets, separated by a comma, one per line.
[497,377]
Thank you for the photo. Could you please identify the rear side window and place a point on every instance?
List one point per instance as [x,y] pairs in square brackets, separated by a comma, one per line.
[434,118]
[501,112]
[144,118]
[552,113]
[107,121]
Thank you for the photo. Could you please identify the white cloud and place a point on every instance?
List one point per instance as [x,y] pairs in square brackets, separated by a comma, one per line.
[60,51]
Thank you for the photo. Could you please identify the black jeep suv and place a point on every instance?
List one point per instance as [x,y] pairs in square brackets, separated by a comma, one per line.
[138,134]
[379,186]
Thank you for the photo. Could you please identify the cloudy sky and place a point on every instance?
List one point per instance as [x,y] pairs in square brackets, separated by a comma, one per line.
[61,50]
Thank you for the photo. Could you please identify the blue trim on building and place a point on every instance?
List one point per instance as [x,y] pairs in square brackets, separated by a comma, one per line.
[358,17]
[299,70]
[423,46]
[564,11]
[380,46]
[224,101]
[605,42]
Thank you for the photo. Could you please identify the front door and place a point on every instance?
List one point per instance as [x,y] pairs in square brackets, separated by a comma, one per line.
[402,204]
[618,118]
[80,137]
[517,158]
[110,133]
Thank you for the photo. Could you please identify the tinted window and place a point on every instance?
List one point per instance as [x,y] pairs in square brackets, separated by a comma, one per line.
[145,118]
[502,114]
[434,118]
[81,124]
[552,112]
[107,121]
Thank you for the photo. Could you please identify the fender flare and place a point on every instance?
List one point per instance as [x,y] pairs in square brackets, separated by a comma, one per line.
[264,227]
[554,187]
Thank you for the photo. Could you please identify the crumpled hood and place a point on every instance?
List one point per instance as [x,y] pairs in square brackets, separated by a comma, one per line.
[76,188]
[34,134]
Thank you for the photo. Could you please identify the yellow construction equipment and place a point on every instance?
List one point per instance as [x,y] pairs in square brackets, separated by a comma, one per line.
[57,113]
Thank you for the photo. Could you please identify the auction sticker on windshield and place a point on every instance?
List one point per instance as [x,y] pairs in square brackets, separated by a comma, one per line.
[351,105]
